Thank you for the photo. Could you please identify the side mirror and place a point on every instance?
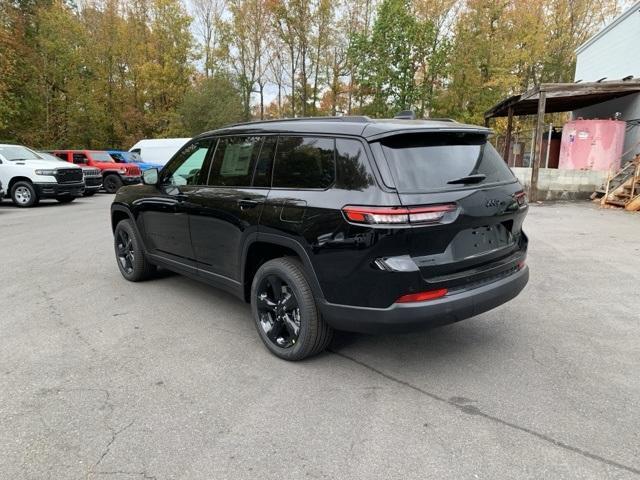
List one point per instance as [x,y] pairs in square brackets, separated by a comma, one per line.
[150,176]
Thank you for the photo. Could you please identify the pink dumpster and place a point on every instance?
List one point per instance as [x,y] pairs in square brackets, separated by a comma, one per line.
[591,145]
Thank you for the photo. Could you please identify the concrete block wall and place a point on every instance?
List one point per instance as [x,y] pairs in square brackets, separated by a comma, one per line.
[554,184]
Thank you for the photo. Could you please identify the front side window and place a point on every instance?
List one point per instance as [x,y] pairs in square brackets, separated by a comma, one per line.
[117,157]
[80,158]
[234,161]
[188,165]
[304,162]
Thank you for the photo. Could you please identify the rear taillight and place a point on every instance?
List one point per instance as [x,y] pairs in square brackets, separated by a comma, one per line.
[397,215]
[521,198]
[422,296]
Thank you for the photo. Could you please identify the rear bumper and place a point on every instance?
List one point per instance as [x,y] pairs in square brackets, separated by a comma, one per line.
[405,317]
[53,190]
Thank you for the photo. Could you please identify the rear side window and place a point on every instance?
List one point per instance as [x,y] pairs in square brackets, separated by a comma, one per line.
[304,162]
[234,161]
[352,168]
[422,162]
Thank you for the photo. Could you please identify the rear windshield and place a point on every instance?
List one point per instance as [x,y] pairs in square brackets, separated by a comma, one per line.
[422,162]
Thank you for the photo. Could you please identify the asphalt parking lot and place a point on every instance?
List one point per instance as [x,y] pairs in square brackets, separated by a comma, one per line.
[167,379]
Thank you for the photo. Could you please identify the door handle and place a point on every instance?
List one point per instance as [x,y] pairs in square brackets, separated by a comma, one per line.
[246,203]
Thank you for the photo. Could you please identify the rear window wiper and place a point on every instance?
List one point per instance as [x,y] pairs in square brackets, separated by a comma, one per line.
[477,178]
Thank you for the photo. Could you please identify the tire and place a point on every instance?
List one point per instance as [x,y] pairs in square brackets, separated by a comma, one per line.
[89,193]
[313,333]
[65,199]
[112,183]
[24,195]
[130,256]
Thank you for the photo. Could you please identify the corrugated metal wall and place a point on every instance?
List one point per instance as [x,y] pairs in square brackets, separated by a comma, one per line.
[614,53]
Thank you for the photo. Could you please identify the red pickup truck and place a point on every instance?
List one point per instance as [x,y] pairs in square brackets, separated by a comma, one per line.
[114,175]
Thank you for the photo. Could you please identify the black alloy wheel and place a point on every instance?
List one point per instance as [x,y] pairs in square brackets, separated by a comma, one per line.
[285,311]
[278,311]
[130,255]
[124,251]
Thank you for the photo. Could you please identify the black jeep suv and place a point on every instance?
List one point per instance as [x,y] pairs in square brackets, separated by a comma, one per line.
[341,223]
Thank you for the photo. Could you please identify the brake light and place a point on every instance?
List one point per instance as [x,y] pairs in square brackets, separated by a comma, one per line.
[521,198]
[397,215]
[422,296]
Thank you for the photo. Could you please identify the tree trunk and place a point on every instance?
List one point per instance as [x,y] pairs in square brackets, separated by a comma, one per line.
[293,82]
[261,101]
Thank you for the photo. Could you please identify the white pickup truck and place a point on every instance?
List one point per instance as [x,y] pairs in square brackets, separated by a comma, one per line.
[26,177]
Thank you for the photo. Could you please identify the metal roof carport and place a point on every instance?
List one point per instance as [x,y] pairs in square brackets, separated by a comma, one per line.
[552,98]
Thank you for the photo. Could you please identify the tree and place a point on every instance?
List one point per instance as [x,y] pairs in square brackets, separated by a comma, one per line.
[208,18]
[245,36]
[394,62]
[481,67]
[10,33]
[210,103]
[285,17]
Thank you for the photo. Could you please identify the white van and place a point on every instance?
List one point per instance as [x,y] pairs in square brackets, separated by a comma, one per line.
[158,150]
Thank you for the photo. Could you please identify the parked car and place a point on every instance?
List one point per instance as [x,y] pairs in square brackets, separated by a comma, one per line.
[1,192]
[158,150]
[92,175]
[339,223]
[28,178]
[114,175]
[121,156]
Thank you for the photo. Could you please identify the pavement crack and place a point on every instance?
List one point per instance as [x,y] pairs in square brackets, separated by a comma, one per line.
[143,474]
[57,315]
[114,436]
[472,410]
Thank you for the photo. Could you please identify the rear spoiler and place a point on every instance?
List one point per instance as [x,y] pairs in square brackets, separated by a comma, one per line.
[456,129]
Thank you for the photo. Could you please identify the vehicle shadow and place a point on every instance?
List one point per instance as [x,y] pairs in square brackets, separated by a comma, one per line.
[468,340]
[7,204]
[474,340]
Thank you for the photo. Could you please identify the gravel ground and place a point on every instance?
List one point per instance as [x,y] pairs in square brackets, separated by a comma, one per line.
[167,379]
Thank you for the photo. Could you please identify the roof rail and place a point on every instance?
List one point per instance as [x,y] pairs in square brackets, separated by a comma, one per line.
[441,119]
[346,118]
[406,115]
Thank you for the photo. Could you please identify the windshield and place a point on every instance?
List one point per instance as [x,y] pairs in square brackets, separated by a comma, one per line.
[130,157]
[422,162]
[101,157]
[134,157]
[18,152]
[49,157]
